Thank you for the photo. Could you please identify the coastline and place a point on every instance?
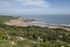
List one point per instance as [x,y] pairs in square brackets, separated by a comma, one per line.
[20,22]
[60,26]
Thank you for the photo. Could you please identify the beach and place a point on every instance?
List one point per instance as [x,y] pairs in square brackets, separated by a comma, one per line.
[20,22]
[60,26]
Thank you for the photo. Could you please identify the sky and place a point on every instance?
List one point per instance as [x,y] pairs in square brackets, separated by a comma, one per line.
[34,7]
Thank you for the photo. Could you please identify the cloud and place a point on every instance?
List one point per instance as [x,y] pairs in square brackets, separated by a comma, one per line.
[38,3]
[19,11]
[5,3]
[22,6]
[24,3]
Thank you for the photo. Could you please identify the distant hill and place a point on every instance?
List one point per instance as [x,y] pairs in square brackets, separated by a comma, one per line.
[4,18]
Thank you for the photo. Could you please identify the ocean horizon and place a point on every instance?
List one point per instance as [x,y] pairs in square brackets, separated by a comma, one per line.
[49,19]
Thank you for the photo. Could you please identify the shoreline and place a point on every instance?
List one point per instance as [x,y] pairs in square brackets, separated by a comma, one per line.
[60,26]
[20,22]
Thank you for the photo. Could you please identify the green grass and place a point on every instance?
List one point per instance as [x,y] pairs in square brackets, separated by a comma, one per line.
[44,37]
[5,43]
[5,18]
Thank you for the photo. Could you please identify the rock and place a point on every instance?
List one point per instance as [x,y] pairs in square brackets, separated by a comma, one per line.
[40,40]
[19,38]
[62,46]
[68,44]
[12,43]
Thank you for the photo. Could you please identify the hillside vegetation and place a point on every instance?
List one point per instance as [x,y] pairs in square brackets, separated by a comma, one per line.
[32,36]
[5,18]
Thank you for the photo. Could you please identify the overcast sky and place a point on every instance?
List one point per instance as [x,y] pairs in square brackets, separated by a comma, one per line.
[34,7]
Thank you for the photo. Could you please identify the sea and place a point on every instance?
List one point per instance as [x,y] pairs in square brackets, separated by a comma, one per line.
[49,19]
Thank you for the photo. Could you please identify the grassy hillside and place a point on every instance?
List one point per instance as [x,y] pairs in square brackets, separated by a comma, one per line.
[5,18]
[33,36]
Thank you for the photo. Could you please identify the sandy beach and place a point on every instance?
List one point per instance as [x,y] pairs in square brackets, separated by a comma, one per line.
[60,26]
[20,22]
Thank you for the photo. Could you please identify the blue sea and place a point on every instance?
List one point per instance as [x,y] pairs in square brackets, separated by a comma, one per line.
[49,19]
